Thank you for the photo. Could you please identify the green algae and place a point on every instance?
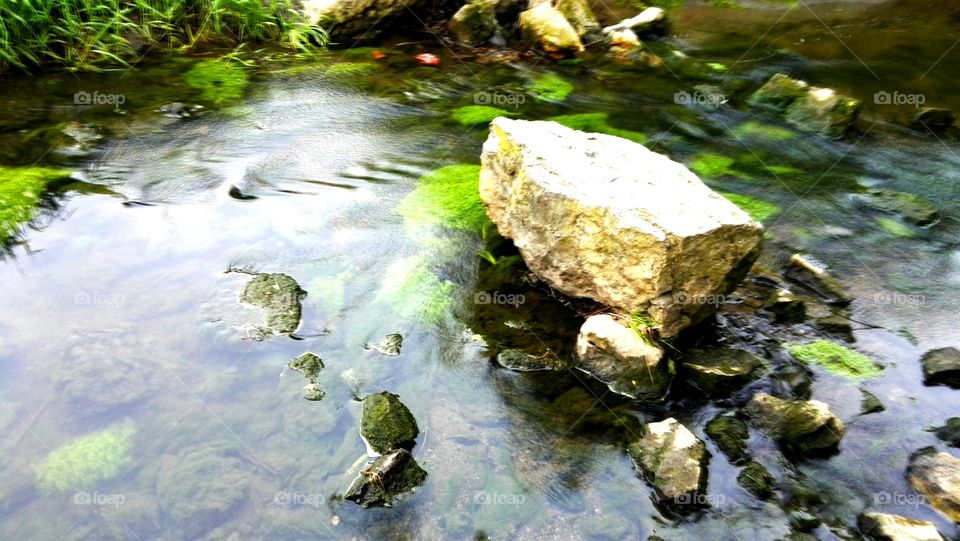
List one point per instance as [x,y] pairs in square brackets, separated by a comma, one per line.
[471,115]
[597,123]
[758,130]
[20,191]
[387,423]
[550,87]
[86,461]
[347,70]
[758,209]
[415,292]
[836,359]
[710,165]
[895,228]
[448,197]
[219,82]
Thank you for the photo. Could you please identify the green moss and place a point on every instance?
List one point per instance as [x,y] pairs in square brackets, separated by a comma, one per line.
[86,461]
[448,197]
[895,227]
[597,123]
[710,165]
[219,82]
[550,87]
[753,129]
[387,423]
[344,71]
[836,359]
[758,209]
[415,292]
[717,67]
[472,115]
[20,192]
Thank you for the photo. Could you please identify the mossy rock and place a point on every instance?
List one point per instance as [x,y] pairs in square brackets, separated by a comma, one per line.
[87,461]
[911,207]
[730,435]
[449,197]
[550,87]
[758,209]
[279,295]
[472,115]
[218,81]
[836,359]
[597,123]
[415,292]
[21,189]
[778,93]
[950,432]
[719,372]
[756,480]
[387,423]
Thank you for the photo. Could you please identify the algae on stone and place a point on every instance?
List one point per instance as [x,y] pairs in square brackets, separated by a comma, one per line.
[448,197]
[730,435]
[387,423]
[550,87]
[836,359]
[758,209]
[279,295]
[219,82]
[895,228]
[20,192]
[709,165]
[88,460]
[758,130]
[597,123]
[472,115]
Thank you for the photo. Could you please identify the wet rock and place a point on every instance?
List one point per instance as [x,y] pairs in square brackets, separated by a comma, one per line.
[730,435]
[474,23]
[815,278]
[580,16]
[179,109]
[778,93]
[950,432]
[719,372]
[870,403]
[809,108]
[387,424]
[807,426]
[279,295]
[673,460]
[645,21]
[520,361]
[103,373]
[756,480]
[601,217]
[391,474]
[936,475]
[933,118]
[622,43]
[390,345]
[941,367]
[786,306]
[803,521]
[201,488]
[310,366]
[912,208]
[626,361]
[884,527]
[836,325]
[545,27]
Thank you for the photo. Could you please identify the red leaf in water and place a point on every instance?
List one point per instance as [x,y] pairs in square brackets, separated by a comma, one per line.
[427,59]
[378,55]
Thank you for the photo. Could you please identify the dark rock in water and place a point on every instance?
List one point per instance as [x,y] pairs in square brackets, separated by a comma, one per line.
[806,426]
[936,475]
[941,367]
[280,296]
[778,93]
[237,194]
[810,108]
[803,521]
[806,273]
[756,480]
[913,208]
[730,435]
[389,346]
[933,118]
[870,403]
[836,325]
[674,461]
[309,365]
[390,475]
[786,307]
[884,527]
[387,424]
[950,432]
[719,372]
[514,359]
[794,380]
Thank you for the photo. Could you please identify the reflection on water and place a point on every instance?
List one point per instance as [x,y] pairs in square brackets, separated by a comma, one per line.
[123,313]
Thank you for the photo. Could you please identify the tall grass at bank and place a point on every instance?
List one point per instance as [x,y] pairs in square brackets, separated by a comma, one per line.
[90,34]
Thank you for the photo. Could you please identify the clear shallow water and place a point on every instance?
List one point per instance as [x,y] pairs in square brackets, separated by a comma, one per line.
[135,297]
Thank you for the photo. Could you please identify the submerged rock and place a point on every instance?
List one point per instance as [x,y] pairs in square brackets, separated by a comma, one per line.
[912,208]
[629,363]
[309,365]
[604,218]
[809,108]
[950,432]
[815,278]
[756,480]
[870,403]
[936,475]
[390,475]
[279,295]
[474,23]
[545,27]
[778,93]
[884,527]
[730,435]
[673,460]
[520,361]
[389,346]
[719,372]
[933,118]
[941,367]
[387,424]
[807,426]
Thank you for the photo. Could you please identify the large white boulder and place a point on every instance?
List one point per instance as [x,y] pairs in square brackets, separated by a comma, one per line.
[601,217]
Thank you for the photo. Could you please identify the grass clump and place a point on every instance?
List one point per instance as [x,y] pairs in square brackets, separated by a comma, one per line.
[836,359]
[758,209]
[20,191]
[597,123]
[86,461]
[550,87]
[471,115]
[219,82]
[448,197]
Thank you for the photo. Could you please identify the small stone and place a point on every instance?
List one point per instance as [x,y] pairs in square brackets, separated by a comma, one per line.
[389,346]
[756,480]
[941,367]
[814,277]
[824,111]
[313,393]
[630,364]
[474,23]
[933,118]
[803,521]
[870,403]
[884,527]
[730,435]
[778,93]
[519,361]
[673,460]
[387,423]
[950,432]
[936,475]
[279,295]
[786,307]
[719,372]
[911,207]
[391,474]
[545,27]
[807,426]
